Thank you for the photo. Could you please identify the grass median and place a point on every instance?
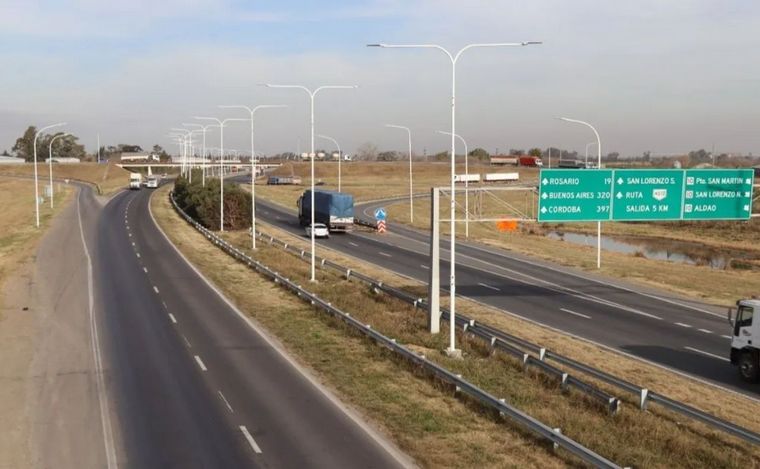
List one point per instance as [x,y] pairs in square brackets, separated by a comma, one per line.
[441,439]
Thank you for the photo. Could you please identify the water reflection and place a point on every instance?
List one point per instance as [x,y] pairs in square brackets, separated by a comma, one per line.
[667,250]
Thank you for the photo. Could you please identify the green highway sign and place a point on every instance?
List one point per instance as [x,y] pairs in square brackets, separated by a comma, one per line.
[718,194]
[574,195]
[647,194]
[644,194]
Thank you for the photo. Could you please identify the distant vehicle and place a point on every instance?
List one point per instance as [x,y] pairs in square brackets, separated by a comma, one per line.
[501,177]
[331,208]
[467,178]
[504,160]
[571,164]
[152,182]
[745,339]
[531,161]
[284,180]
[135,180]
[164,176]
[320,231]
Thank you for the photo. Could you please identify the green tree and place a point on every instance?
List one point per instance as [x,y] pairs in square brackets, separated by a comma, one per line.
[480,154]
[535,152]
[5,153]
[24,146]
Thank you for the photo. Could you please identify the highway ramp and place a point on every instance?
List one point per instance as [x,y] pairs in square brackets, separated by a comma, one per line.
[674,332]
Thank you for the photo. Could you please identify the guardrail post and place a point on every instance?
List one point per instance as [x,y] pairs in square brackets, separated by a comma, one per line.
[643,399]
[558,431]
[542,354]
[434,285]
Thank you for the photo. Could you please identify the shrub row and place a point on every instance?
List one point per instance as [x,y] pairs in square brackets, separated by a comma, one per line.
[202,202]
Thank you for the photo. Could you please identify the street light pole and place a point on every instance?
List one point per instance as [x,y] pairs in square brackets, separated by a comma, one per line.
[411,190]
[203,129]
[221,124]
[312,94]
[599,166]
[453,58]
[587,146]
[36,181]
[50,164]
[252,112]
[466,185]
[339,154]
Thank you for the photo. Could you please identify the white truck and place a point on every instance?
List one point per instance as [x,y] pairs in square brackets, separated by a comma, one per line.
[745,339]
[152,182]
[135,180]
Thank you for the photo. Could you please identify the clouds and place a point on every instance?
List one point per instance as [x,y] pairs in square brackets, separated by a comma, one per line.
[653,75]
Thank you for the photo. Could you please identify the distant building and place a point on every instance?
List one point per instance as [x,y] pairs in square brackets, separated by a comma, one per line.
[128,157]
[11,160]
[63,160]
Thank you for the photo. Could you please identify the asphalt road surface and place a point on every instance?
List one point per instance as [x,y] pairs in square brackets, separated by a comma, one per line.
[658,326]
[192,384]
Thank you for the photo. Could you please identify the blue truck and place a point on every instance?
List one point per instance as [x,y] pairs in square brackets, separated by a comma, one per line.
[334,209]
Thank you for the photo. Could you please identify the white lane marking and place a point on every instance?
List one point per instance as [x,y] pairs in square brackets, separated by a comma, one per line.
[187,341]
[133,244]
[130,234]
[200,363]
[707,354]
[727,337]
[706,331]
[155,289]
[171,316]
[138,254]
[682,325]
[145,269]
[250,439]
[384,254]
[575,313]
[105,413]
[353,244]
[488,286]
[424,267]
[226,402]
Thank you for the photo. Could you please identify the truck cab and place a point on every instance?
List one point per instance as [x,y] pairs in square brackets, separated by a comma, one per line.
[745,339]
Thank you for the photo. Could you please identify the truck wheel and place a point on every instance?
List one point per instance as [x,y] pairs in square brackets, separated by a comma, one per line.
[748,367]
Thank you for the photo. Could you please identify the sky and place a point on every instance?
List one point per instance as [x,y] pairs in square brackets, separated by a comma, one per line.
[666,76]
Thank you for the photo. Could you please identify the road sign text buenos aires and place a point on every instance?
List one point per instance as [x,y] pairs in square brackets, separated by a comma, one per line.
[645,194]
[574,195]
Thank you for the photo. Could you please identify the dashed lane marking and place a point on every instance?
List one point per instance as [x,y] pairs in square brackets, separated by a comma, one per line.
[250,439]
[574,313]
[682,325]
[706,331]
[226,402]
[707,354]
[155,289]
[200,363]
[485,285]
[171,316]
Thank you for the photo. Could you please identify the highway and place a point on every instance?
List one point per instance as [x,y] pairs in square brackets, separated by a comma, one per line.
[660,327]
[191,382]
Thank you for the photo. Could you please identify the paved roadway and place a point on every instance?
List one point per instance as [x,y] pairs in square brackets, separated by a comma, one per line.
[192,383]
[658,326]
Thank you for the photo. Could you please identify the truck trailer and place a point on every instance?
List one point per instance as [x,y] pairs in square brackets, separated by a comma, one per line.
[333,209]
[745,339]
[135,181]
[533,161]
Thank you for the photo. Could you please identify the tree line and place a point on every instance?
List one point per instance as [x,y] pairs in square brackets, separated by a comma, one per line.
[202,202]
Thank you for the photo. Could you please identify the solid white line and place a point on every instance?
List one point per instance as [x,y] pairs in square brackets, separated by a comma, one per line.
[187,341]
[171,316]
[226,402]
[200,363]
[574,313]
[705,331]
[105,414]
[353,244]
[489,287]
[155,289]
[707,354]
[682,325]
[250,439]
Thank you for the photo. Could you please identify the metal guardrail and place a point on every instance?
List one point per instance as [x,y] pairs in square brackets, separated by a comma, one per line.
[439,372]
[512,345]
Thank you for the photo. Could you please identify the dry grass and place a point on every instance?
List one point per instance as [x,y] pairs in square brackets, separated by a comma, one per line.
[108,177]
[630,438]
[19,235]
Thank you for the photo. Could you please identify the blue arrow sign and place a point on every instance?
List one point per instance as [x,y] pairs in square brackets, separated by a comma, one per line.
[380,214]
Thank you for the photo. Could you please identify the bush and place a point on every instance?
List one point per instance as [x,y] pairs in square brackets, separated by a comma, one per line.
[202,203]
